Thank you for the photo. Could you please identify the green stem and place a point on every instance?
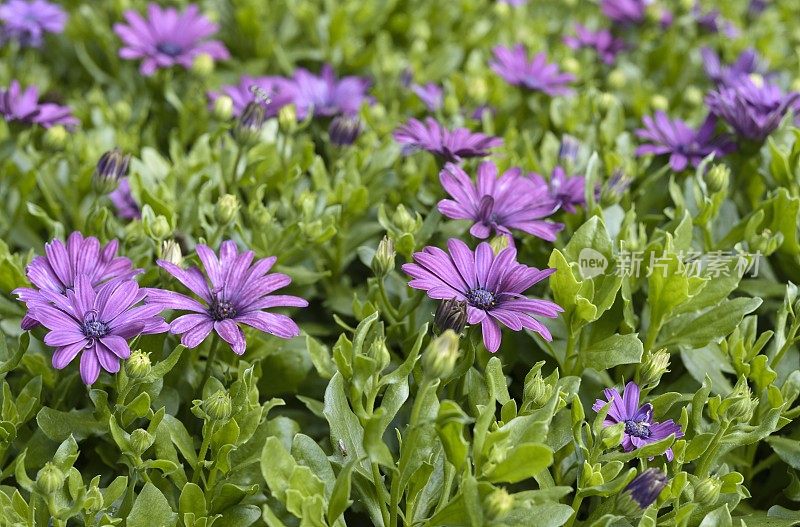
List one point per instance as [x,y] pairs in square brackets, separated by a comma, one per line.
[201,457]
[576,504]
[212,355]
[234,178]
[381,488]
[652,334]
[704,465]
[570,355]
[387,305]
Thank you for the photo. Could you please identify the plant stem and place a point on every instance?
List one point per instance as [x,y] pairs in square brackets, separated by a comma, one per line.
[201,457]
[576,504]
[704,465]
[212,355]
[381,488]
[390,311]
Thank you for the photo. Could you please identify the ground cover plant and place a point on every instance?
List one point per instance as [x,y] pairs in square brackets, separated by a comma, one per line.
[399,263]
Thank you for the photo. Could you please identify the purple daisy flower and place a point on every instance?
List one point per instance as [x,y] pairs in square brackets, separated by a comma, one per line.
[167,38]
[683,144]
[492,285]
[567,192]
[238,294]
[430,94]
[747,63]
[625,11]
[602,41]
[96,324]
[499,204]
[325,95]
[646,487]
[23,106]
[26,21]
[279,90]
[57,271]
[640,429]
[752,106]
[512,64]
[450,145]
[123,201]
[714,22]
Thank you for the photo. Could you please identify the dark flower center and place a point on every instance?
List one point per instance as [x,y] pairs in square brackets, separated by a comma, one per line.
[169,48]
[640,429]
[94,328]
[221,309]
[481,298]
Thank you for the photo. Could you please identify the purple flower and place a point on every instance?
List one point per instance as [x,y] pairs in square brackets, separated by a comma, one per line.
[747,63]
[640,429]
[123,201]
[96,324]
[168,38]
[492,285]
[753,107]
[430,94]
[238,293]
[713,22]
[602,41]
[683,144]
[497,204]
[344,130]
[57,271]
[450,145]
[537,74]
[325,95]
[26,21]
[624,11]
[646,487]
[279,90]
[514,3]
[567,192]
[21,106]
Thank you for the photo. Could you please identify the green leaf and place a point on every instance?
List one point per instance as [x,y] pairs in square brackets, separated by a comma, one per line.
[712,325]
[346,430]
[340,497]
[58,425]
[151,508]
[613,351]
[521,462]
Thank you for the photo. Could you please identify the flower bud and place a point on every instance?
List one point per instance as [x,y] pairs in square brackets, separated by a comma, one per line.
[383,261]
[717,178]
[218,406]
[654,366]
[571,65]
[439,358]
[171,252]
[707,491]
[248,127]
[223,108]
[50,479]
[141,440]
[122,111]
[693,95]
[344,130]
[159,227]
[642,492]
[617,79]
[570,146]
[55,137]
[112,166]
[404,220]
[226,209]
[498,504]
[138,365]
[659,102]
[93,501]
[451,314]
[203,65]
[537,391]
[738,405]
[287,119]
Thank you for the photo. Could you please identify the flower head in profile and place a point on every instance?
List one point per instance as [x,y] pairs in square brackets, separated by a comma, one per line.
[748,62]
[57,271]
[233,290]
[645,488]
[566,192]
[27,21]
[279,92]
[498,203]
[602,41]
[167,38]
[450,145]
[685,146]
[491,284]
[326,95]
[96,323]
[23,106]
[430,94]
[625,11]
[123,201]
[713,22]
[536,74]
[752,106]
[640,429]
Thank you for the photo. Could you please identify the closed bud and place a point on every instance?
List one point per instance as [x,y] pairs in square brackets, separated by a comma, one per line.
[404,220]
[218,406]
[617,79]
[248,127]
[614,188]
[451,315]
[141,440]
[287,119]
[226,208]
[203,65]
[537,391]
[138,365]
[439,358]
[478,89]
[112,166]
[571,65]
[693,95]
[55,137]
[50,479]
[717,178]
[171,252]
[93,501]
[659,102]
[654,366]
[707,491]
[344,130]
[123,111]
[570,146]
[498,504]
[766,242]
[223,108]
[383,261]
[642,492]
[606,101]
[159,227]
[451,104]
[738,406]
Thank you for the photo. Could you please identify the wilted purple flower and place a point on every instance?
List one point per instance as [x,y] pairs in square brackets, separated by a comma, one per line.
[640,429]
[279,90]
[325,95]
[566,192]
[26,21]
[602,41]
[747,63]
[753,107]
[569,148]
[537,74]
[478,112]
[57,271]
[713,22]
[430,94]
[96,324]
[499,204]
[123,201]
[238,293]
[683,144]
[492,285]
[167,38]
[450,145]
[21,106]
[344,130]
[646,487]
[624,11]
